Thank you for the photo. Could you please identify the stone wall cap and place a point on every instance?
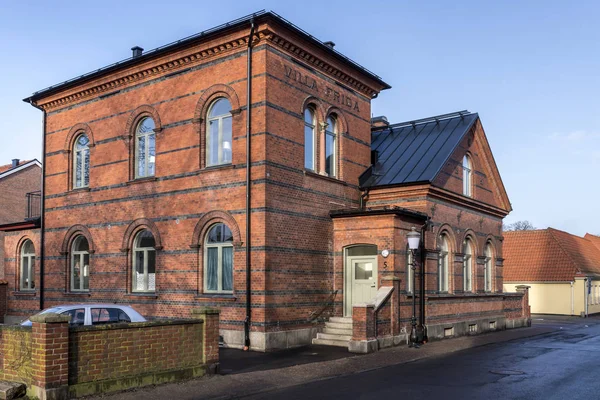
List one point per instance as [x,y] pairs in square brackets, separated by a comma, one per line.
[205,311]
[390,278]
[363,305]
[50,318]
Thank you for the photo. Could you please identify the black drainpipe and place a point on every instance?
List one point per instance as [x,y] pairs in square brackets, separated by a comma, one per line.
[248,196]
[43,204]
[422,280]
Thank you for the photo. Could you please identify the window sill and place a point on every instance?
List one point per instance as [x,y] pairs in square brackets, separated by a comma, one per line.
[30,293]
[149,295]
[142,180]
[314,174]
[218,167]
[77,294]
[80,190]
[216,296]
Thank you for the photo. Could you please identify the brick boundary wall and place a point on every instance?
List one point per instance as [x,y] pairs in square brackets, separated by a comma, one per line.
[58,361]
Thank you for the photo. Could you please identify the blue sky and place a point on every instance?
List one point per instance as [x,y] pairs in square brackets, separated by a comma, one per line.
[531,70]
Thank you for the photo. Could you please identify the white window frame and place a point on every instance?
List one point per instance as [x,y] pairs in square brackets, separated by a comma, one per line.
[146,135]
[85,151]
[312,127]
[444,256]
[219,247]
[219,119]
[79,256]
[30,257]
[468,266]
[146,275]
[488,268]
[467,166]
[331,130]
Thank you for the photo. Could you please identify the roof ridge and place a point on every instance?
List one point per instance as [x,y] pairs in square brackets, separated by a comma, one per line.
[426,120]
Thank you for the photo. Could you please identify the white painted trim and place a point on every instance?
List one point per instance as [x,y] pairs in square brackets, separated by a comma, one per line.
[20,168]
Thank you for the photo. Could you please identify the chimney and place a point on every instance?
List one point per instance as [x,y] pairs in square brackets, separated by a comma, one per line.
[379,122]
[329,44]
[137,51]
[15,162]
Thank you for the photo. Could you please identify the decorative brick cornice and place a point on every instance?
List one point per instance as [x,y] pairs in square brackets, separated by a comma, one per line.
[316,62]
[163,68]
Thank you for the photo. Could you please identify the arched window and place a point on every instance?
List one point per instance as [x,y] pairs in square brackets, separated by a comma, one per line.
[330,146]
[218,260]
[409,271]
[443,264]
[488,270]
[80,264]
[27,281]
[467,176]
[219,133]
[145,148]
[468,266]
[144,262]
[309,138]
[81,162]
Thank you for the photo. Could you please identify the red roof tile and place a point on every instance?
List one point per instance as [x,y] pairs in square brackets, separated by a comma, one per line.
[548,255]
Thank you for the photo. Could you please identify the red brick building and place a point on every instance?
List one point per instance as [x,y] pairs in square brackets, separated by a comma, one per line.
[228,170]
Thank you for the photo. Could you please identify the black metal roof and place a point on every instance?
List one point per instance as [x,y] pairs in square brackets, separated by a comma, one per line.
[415,151]
[218,30]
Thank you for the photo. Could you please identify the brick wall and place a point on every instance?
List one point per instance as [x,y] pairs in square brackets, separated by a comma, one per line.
[13,202]
[54,359]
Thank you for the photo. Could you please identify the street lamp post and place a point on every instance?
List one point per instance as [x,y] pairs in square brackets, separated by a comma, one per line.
[414,238]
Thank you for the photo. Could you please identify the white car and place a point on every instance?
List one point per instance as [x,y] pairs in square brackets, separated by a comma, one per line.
[94,314]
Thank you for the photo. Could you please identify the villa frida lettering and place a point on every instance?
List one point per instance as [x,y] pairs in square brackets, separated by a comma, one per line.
[333,95]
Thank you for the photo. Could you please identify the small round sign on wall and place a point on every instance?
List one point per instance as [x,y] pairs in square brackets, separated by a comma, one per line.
[385,253]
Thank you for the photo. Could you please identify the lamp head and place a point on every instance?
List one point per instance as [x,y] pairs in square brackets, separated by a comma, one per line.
[414,238]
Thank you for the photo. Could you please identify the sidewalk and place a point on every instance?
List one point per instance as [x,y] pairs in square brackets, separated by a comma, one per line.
[235,385]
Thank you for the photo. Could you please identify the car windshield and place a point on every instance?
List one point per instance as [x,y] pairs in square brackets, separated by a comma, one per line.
[50,310]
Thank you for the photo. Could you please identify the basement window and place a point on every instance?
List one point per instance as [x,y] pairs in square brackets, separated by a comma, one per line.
[448,332]
[492,324]
[473,328]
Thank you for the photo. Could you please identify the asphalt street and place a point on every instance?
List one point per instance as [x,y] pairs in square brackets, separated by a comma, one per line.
[558,365]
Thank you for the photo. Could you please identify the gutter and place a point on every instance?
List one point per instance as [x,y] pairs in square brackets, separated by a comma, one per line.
[43,203]
[248,318]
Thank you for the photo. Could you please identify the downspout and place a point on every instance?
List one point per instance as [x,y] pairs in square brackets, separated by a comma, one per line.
[572,298]
[248,194]
[585,296]
[422,282]
[43,204]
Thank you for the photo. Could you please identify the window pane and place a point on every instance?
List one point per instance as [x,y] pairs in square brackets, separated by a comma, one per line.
[82,142]
[86,168]
[227,268]
[309,148]
[151,154]
[141,154]
[215,234]
[32,272]
[86,272]
[330,154]
[213,143]
[76,272]
[212,261]
[28,247]
[226,134]
[146,125]
[362,251]
[80,244]
[25,272]
[123,317]
[138,272]
[77,316]
[145,239]
[78,171]
[151,270]
[308,116]
[363,270]
[227,235]
[220,107]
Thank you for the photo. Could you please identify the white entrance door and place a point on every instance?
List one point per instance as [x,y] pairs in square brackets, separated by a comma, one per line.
[361,281]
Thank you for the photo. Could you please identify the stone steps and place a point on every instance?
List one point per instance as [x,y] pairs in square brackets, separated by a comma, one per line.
[337,332]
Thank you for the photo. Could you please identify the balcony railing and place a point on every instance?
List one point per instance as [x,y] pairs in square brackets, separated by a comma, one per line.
[34,205]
